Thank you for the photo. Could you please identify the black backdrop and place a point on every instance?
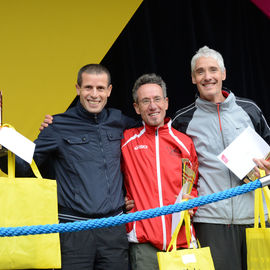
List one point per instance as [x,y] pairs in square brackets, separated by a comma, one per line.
[162,36]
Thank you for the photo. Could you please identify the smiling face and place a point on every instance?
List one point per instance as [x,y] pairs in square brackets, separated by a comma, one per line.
[94,91]
[208,77]
[151,105]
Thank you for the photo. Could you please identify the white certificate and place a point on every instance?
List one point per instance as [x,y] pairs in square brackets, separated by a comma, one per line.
[239,154]
[17,143]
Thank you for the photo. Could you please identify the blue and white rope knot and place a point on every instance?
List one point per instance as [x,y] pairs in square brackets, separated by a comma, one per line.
[145,214]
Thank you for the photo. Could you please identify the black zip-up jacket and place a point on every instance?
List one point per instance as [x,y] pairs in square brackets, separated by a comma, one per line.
[84,150]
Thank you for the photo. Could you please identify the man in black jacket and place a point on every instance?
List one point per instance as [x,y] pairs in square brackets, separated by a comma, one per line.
[83,144]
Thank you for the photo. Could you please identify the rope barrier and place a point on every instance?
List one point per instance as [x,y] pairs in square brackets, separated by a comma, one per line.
[122,219]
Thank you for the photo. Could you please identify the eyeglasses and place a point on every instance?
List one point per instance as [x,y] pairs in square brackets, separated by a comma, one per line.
[147,101]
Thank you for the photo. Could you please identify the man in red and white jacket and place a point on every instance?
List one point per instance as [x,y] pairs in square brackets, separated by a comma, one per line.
[152,166]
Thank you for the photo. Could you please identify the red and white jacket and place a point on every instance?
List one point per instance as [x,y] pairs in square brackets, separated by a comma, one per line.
[152,168]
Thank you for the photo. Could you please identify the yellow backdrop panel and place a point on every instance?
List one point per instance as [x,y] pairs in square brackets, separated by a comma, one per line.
[43,45]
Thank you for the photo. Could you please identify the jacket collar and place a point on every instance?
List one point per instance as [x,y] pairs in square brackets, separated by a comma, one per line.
[209,106]
[150,129]
[95,117]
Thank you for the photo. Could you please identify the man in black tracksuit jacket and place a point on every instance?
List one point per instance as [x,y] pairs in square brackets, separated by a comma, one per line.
[83,146]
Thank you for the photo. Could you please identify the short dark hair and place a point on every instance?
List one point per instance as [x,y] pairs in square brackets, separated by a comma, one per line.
[93,69]
[147,79]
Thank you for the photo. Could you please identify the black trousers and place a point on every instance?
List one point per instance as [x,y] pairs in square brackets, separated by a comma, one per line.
[227,244]
[98,249]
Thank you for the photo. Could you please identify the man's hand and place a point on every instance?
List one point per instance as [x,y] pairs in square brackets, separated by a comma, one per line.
[263,165]
[129,204]
[48,120]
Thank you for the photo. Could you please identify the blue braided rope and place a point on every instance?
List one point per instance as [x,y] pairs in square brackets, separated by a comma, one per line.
[118,220]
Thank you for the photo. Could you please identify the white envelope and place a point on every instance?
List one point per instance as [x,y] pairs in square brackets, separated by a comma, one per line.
[17,143]
[239,154]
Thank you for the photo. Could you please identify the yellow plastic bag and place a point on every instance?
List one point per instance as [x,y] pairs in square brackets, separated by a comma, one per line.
[185,259]
[258,239]
[24,202]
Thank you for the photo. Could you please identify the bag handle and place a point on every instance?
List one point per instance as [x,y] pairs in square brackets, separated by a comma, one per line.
[258,209]
[258,204]
[11,162]
[266,193]
[11,165]
[183,217]
[35,169]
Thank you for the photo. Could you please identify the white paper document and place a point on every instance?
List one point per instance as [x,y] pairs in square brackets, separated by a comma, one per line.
[176,216]
[239,154]
[17,143]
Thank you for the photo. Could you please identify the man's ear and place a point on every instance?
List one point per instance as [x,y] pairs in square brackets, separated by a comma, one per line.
[78,89]
[193,78]
[109,90]
[224,75]
[136,107]
[167,103]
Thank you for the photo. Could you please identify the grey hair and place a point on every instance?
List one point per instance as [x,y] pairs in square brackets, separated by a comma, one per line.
[146,79]
[207,52]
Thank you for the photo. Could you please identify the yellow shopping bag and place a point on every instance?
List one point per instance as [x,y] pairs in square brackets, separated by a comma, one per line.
[24,202]
[185,259]
[258,239]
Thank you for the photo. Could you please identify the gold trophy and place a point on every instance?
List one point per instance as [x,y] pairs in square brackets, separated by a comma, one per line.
[189,172]
[250,177]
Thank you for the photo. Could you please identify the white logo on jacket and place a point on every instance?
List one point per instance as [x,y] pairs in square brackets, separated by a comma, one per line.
[137,147]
